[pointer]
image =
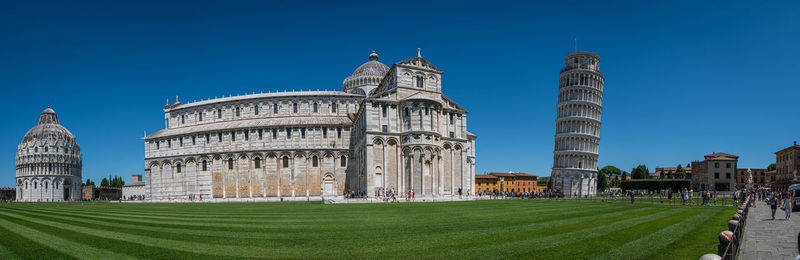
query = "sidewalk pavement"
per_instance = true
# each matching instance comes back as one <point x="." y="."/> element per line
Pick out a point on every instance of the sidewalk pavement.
<point x="765" y="238"/>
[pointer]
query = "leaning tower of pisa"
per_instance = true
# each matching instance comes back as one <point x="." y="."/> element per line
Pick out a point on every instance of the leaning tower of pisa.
<point x="580" y="96"/>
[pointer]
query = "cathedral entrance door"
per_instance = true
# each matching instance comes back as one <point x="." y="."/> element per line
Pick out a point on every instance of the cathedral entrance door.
<point x="329" y="185"/>
<point x="67" y="189"/>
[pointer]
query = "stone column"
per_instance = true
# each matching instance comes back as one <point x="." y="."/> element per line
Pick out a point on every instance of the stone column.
<point x="236" y="174"/>
<point x="411" y="172"/>
<point x="308" y="180"/>
<point x="293" y="179"/>
<point x="401" y="161"/>
<point x="385" y="170"/>
<point x="398" y="165"/>
<point x="278" y="173"/>
<point x="370" y="167"/>
<point x="452" y="173"/>
<point x="250" y="176"/>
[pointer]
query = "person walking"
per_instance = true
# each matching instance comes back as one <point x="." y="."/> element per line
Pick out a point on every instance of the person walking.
<point x="669" y="196"/>
<point x="773" y="204"/>
<point x="787" y="205"/>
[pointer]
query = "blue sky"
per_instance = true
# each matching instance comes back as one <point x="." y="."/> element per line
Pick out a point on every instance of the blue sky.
<point x="683" y="79"/>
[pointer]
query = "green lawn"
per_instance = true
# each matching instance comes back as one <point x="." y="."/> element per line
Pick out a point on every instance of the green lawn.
<point x="475" y="229"/>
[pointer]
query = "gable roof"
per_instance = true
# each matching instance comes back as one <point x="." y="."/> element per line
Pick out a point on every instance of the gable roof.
<point x="420" y="62"/>
<point x="722" y="157"/>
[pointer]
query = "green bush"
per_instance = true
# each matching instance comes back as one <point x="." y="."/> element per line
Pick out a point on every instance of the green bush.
<point x="655" y="185"/>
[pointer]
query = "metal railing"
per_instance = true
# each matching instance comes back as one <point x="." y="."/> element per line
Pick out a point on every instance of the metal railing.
<point x="732" y="249"/>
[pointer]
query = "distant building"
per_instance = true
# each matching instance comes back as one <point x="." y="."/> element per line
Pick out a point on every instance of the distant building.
<point x="717" y="172"/>
<point x="91" y="192"/>
<point x="506" y="182"/>
<point x="8" y="194"/>
<point x="788" y="163"/>
<point x="760" y="179"/>
<point x="771" y="178"/>
<point x="135" y="189"/>
<point x="486" y="182"/>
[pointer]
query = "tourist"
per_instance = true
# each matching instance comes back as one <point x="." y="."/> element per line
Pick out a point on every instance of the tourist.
<point x="632" y="197"/>
<point x="787" y="205"/>
<point x="669" y="196"/>
<point x="773" y="204"/>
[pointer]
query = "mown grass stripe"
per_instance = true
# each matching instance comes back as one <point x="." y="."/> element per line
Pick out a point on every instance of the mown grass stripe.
<point x="686" y="244"/>
<point x="105" y="243"/>
<point x="63" y="246"/>
<point x="460" y="243"/>
<point x="157" y="232"/>
<point x="659" y="240"/>
<point x="585" y="248"/>
<point x="199" y="248"/>
<point x="289" y="216"/>
<point x="475" y="229"/>
<point x="595" y="227"/>
<point x="331" y="225"/>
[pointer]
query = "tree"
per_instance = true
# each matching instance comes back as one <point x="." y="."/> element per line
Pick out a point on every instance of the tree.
<point x="624" y="176"/>
<point x="104" y="182"/>
<point x="89" y="182"/>
<point x="680" y="173"/>
<point x="772" y="167"/>
<point x="602" y="183"/>
<point x="670" y="175"/>
<point x="611" y="171"/>
<point x="688" y="165"/>
<point x="640" y="172"/>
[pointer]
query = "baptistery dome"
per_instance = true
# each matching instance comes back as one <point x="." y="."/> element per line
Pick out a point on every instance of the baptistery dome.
<point x="366" y="77"/>
<point x="48" y="162"/>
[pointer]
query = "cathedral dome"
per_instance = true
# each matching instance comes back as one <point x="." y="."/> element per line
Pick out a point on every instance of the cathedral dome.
<point x="366" y="77"/>
<point x="48" y="129"/>
<point x="372" y="68"/>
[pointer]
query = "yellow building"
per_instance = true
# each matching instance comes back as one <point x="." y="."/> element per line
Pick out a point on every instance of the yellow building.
<point x="506" y="182"/>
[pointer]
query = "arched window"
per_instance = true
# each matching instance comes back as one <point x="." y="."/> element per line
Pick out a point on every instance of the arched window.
<point x="230" y="163"/>
<point x="219" y="113"/>
<point x="315" y="107"/>
<point x="333" y="107"/>
<point x="255" y="109"/>
<point x="420" y="81"/>
<point x="205" y="165"/>
<point x="238" y="113"/>
<point x="257" y="163"/>
<point x="344" y="161"/>
<point x="183" y="119"/>
<point x="178" y="168"/>
<point x="285" y="162"/>
<point x="314" y="161"/>
<point x="35" y="185"/>
<point x="294" y="107"/>
<point x="274" y="108"/>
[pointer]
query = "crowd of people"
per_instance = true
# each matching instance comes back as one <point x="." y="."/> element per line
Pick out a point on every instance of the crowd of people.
<point x="774" y="199"/>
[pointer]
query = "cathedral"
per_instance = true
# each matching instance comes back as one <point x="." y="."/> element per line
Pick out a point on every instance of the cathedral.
<point x="390" y="128"/>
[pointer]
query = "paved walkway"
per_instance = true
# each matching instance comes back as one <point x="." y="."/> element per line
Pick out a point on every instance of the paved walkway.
<point x="768" y="239"/>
